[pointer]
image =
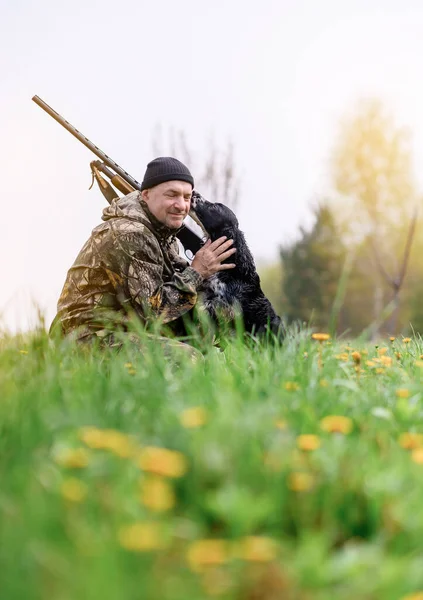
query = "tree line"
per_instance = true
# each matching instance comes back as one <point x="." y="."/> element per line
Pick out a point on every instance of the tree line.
<point x="358" y="266"/>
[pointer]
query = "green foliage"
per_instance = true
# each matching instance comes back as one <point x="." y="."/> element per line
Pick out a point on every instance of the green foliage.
<point x="412" y="305"/>
<point x="237" y="508"/>
<point x="271" y="279"/>
<point x="312" y="267"/>
<point x="367" y="230"/>
<point x="415" y="305"/>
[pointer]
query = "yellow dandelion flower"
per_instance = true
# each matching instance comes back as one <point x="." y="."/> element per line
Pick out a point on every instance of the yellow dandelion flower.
<point x="418" y="363"/>
<point x="417" y="596"/>
<point x="402" y="393"/>
<point x="398" y="355"/>
<point x="392" y="339"/>
<point x="379" y="370"/>
<point x="92" y="437"/>
<point x="193" y="417"/>
<point x="406" y="340"/>
<point x="72" y="458"/>
<point x="386" y="361"/>
<point x="128" y="365"/>
<point x="23" y="351"/>
<point x="411" y="440"/>
<point x="321" y="337"/>
<point x="347" y="348"/>
<point x="281" y="424"/>
<point x="206" y="553"/>
<point x="356" y="356"/>
<point x="421" y="356"/>
<point x="291" y="386"/>
<point x="141" y="537"/>
<point x="305" y="355"/>
<point x="382" y="351"/>
<point x="108" y="439"/>
<point x="300" y="482"/>
<point x="256" y="549"/>
<point x="73" y="490"/>
<point x="417" y="456"/>
<point x="336" y="424"/>
<point x="157" y="494"/>
<point x="370" y="363"/>
<point x="343" y="356"/>
<point x="161" y="461"/>
<point x="308" y="442"/>
<point x="120" y="444"/>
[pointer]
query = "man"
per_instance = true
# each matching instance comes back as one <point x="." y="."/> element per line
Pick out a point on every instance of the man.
<point x="130" y="263"/>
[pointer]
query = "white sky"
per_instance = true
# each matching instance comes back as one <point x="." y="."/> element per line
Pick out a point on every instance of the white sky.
<point x="272" y="76"/>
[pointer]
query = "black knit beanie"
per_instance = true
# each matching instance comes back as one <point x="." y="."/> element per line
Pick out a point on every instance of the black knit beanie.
<point x="165" y="168"/>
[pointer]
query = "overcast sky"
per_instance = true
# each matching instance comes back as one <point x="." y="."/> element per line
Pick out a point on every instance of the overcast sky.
<point x="272" y="76"/>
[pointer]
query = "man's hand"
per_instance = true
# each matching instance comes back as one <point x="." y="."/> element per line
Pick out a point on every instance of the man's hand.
<point x="208" y="260"/>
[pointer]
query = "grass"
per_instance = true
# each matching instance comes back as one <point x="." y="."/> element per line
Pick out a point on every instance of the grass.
<point x="256" y="497"/>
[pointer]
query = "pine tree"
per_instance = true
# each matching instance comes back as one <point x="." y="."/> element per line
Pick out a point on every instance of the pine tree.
<point x="312" y="267"/>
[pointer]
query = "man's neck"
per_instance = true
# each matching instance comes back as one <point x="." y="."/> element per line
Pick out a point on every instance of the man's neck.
<point x="163" y="230"/>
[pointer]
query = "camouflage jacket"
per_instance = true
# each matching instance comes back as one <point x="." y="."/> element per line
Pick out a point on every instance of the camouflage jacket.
<point x="130" y="263"/>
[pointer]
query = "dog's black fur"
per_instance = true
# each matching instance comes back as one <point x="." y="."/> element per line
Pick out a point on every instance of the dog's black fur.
<point x="235" y="290"/>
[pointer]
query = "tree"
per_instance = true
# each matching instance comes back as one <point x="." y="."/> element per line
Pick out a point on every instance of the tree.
<point x="271" y="281"/>
<point x="312" y="268"/>
<point x="372" y="170"/>
<point x="216" y="177"/>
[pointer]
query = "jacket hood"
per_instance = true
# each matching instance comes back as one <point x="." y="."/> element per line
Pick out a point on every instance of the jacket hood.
<point x="134" y="208"/>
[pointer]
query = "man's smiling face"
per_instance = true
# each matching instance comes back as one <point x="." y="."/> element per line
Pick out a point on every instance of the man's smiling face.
<point x="169" y="202"/>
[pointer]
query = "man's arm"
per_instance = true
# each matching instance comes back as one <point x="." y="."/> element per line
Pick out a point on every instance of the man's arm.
<point x="139" y="260"/>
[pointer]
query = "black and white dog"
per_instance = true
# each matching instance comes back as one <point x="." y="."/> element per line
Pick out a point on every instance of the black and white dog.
<point x="234" y="291"/>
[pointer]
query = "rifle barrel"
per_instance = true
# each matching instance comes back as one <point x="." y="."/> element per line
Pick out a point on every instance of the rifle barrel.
<point x="87" y="143"/>
<point x="188" y="237"/>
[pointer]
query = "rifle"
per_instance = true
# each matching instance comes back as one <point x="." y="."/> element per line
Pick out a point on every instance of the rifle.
<point x="120" y="178"/>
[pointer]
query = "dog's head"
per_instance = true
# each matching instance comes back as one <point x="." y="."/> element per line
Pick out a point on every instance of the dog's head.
<point x="217" y="219"/>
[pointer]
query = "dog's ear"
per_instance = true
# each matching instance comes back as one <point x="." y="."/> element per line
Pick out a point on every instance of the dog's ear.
<point x="226" y="216"/>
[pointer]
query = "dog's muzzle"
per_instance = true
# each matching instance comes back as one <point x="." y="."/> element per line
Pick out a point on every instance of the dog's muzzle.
<point x="196" y="199"/>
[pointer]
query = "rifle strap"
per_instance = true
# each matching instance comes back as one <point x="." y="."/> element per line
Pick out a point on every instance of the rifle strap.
<point x="105" y="187"/>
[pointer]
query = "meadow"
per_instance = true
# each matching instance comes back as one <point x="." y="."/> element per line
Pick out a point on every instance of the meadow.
<point x="265" y="473"/>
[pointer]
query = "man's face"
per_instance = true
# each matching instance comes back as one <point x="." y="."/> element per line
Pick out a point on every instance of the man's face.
<point x="169" y="202"/>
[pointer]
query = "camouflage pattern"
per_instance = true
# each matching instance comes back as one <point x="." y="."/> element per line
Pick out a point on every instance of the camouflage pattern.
<point x="130" y="264"/>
